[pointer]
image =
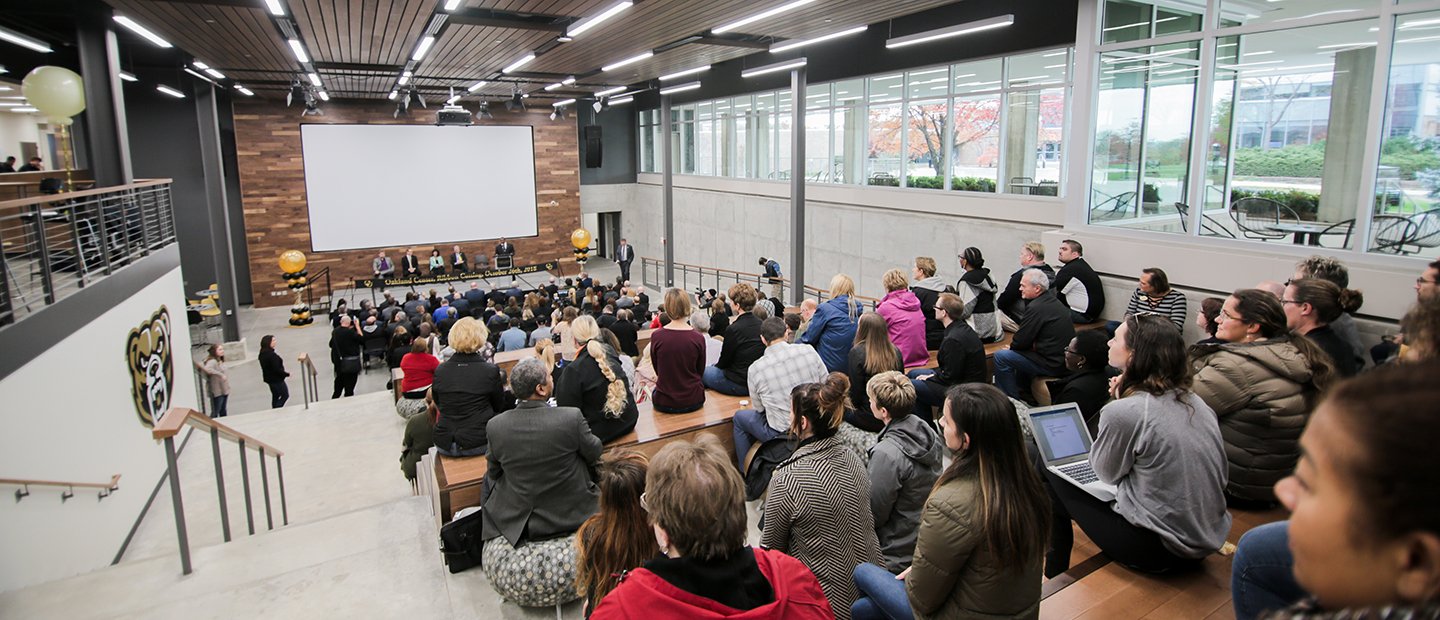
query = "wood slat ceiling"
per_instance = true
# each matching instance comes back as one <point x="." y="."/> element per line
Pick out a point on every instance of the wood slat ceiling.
<point x="243" y="41"/>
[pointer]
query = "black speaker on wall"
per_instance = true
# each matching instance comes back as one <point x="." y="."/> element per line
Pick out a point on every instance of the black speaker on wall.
<point x="593" y="148"/>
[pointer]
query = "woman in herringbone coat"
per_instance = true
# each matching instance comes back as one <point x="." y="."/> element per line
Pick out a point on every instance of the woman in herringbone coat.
<point x="818" y="505"/>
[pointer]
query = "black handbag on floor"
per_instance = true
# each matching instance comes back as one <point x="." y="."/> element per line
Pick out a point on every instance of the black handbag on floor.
<point x="460" y="542"/>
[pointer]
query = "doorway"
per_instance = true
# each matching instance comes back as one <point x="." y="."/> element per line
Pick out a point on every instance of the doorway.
<point x="609" y="236"/>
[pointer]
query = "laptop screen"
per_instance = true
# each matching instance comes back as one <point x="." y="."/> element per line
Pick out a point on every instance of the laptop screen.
<point x="1060" y="432"/>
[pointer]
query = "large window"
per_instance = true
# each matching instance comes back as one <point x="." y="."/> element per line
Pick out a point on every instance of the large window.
<point x="1406" y="216"/>
<point x="993" y="126"/>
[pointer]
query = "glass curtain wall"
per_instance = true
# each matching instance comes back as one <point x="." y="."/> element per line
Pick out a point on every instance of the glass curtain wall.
<point x="1279" y="150"/>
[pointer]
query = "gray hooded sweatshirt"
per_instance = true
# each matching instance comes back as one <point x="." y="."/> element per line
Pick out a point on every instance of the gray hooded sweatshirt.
<point x="904" y="465"/>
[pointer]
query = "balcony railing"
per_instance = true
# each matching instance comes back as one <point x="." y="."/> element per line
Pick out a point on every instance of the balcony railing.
<point x="55" y="245"/>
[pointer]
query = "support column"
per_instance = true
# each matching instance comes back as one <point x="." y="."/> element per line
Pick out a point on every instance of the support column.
<point x="1345" y="154"/>
<point x="797" y="186"/>
<point x="106" y="137"/>
<point x="1021" y="135"/>
<point x="207" y="103"/>
<point x="667" y="190"/>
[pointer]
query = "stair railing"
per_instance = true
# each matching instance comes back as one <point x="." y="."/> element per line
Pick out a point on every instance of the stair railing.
<point x="180" y="417"/>
<point x="309" y="380"/>
<point x="106" y="488"/>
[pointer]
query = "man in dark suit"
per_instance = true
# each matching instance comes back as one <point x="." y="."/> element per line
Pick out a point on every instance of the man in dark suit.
<point x="537" y="482"/>
<point x="34" y="165"/>
<point x="1038" y="348"/>
<point x="9" y="165"/>
<point x="504" y="254"/>
<point x="475" y="296"/>
<point x="457" y="261"/>
<point x="624" y="255"/>
<point x="409" y="264"/>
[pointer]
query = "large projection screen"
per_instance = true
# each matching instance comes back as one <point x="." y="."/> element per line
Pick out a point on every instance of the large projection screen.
<point x="376" y="186"/>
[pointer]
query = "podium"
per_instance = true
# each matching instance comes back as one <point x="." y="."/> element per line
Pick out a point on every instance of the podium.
<point x="504" y="261"/>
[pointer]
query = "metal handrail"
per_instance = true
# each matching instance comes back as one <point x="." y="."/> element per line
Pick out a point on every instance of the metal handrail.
<point x="684" y="271"/>
<point x="169" y="425"/>
<point x="106" y="488"/>
<point x="67" y="241"/>
<point x="309" y="380"/>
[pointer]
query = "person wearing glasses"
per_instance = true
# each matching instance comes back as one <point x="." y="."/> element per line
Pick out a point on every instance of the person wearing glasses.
<point x="1311" y="307"/>
<point x="1088" y="384"/>
<point x="1262" y="382"/>
<point x="539" y="492"/>
<point x="1427" y="286"/>
<point x="961" y="358"/>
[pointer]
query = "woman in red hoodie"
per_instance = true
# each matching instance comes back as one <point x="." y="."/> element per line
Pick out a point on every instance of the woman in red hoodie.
<point x="695" y="500"/>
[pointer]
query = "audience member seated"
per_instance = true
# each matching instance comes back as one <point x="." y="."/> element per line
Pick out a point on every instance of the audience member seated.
<point x="400" y="342"/>
<point x="807" y="312"/>
<point x="469" y="392"/>
<point x="1311" y="306"/>
<point x="696" y="503"/>
<point x="977" y="290"/>
<point x="627" y="332"/>
<point x="832" y="330"/>
<point x="595" y="383"/>
<point x="1334" y="271"/>
<point x="720" y="317"/>
<point x="617" y="538"/>
<point x="419" y="367"/>
<point x="1154" y="295"/>
<point x="1011" y="303"/>
<point x="1208" y="319"/>
<point x="817" y="507"/>
<point x="700" y="320"/>
<point x="513" y="338"/>
<point x="904" y="319"/>
<point x="1421" y="329"/>
<point x="793" y="321"/>
<point x="872" y="355"/>
<point x="372" y="332"/>
<point x="1038" y="348"/>
<point x="1160" y="445"/>
<point x="961" y="358"/>
<point x="538" y="492"/>
<point x="1077" y="285"/>
<point x="382" y="267"/>
<point x="1363" y="540"/>
<point x="419" y="436"/>
<point x="772" y="379"/>
<point x="741" y="348"/>
<point x="1088" y="384"/>
<point x="1262" y="383"/>
<point x="903" y="465"/>
<point x="982" y="530"/>
<point x="677" y="354"/>
<point x="927" y="289"/>
<point x="436" y="263"/>
<point x="627" y="363"/>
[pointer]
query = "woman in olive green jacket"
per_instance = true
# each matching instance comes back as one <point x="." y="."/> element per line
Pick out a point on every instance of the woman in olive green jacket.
<point x="982" y="532"/>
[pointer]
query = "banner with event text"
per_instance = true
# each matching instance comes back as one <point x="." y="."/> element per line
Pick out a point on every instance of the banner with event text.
<point x="519" y="270"/>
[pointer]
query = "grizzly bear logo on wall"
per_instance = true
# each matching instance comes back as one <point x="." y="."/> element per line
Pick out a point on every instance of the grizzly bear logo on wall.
<point x="152" y="367"/>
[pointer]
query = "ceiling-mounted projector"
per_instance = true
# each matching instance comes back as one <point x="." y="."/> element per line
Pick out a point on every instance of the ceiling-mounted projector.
<point x="453" y="115"/>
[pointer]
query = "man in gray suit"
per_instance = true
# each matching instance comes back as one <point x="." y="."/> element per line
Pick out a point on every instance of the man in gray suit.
<point x="538" y="485"/>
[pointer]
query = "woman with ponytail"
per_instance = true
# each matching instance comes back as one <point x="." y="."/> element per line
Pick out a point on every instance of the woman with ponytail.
<point x="982" y="530"/>
<point x="596" y="384"/>
<point x="1311" y="306"/>
<point x="818" y="505"/>
<point x="1263" y="382"/>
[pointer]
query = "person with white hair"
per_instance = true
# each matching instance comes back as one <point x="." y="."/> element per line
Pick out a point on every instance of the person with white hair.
<point x="1038" y="349"/>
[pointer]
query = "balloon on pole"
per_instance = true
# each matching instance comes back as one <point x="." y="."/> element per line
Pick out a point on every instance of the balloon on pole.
<point x="56" y="92"/>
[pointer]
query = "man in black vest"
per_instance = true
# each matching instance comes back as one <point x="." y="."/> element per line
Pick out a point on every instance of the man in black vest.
<point x="1077" y="285"/>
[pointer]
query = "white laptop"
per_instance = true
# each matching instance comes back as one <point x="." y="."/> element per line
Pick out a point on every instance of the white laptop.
<point x="1064" y="443"/>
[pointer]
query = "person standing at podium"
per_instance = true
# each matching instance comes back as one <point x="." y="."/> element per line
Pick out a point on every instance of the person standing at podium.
<point x="504" y="254"/>
<point x="457" y="261"/>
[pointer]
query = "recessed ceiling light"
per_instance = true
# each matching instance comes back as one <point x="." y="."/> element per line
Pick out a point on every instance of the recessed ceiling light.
<point x="299" y="51"/>
<point x="424" y="47"/>
<point x="275" y="7"/>
<point x="762" y="15"/>
<point x="628" y="61"/>
<point x="142" y="31"/>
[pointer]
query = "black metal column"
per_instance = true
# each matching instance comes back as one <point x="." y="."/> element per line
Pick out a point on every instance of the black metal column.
<point x="797" y="186"/>
<point x="207" y="103"/>
<point x="106" y="138"/>
<point x="667" y="191"/>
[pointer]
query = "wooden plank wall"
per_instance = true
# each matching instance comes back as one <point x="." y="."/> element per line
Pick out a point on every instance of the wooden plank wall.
<point x="272" y="187"/>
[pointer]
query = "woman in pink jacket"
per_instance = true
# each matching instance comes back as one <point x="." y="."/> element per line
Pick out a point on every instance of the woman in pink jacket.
<point x="905" y="319"/>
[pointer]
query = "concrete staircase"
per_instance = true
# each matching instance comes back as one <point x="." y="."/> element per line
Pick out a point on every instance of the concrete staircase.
<point x="358" y="545"/>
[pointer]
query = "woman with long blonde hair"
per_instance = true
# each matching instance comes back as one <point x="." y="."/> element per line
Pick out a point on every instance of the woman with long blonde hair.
<point x="832" y="329"/>
<point x="596" y="384"/>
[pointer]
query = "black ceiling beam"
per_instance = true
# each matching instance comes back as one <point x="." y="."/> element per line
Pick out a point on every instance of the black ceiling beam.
<point x="248" y="4"/>
<point x="506" y="19"/>
<point x="714" y="40"/>
<point x="356" y="66"/>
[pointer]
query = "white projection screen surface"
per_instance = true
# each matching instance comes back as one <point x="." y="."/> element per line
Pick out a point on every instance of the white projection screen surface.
<point x="376" y="186"/>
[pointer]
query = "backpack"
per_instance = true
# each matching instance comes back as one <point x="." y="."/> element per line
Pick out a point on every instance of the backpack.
<point x="762" y="466"/>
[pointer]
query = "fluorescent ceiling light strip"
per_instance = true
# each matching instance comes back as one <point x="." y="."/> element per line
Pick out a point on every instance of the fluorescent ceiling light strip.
<point x="775" y="49"/>
<point x="1419" y="39"/>
<point x="519" y="63"/>
<point x="1252" y="64"/>
<point x="1423" y="22"/>
<point x="451" y="5"/>
<point x="128" y="77"/>
<point x="324" y="96"/>
<point x="611" y="91"/>
<point x="553" y="86"/>
<point x="424" y="47"/>
<point x="275" y="7"/>
<point x="628" y="61"/>
<point x="215" y="74"/>
<point x="563" y="102"/>
<point x="762" y="15"/>
<point x="404" y="79"/>
<point x="314" y="78"/>
<point x="1134" y="25"/>
<point x="392" y="95"/>
<point x="1059" y="66"/>
<point x="244" y="90"/>
<point x="591" y="22"/>
<point x="197" y="74"/>
<point x="621" y="100"/>
<point x="200" y="65"/>
<point x="779" y="66"/>
<point x="7" y="34"/>
<point x="680" y="88"/>
<point x="142" y="31"/>
<point x="170" y="91"/>
<point x="477" y="86"/>
<point x="26" y="109"/>
<point x="568" y="81"/>
<point x="680" y="74"/>
<point x="952" y="31"/>
<point x="299" y="51"/>
<point x="10" y="104"/>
